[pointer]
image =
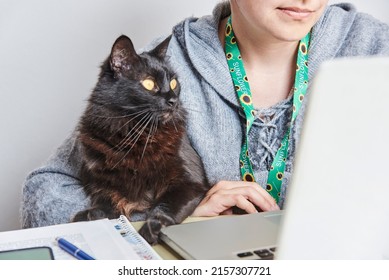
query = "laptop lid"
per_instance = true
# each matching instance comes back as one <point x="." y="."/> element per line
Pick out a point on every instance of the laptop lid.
<point x="337" y="205"/>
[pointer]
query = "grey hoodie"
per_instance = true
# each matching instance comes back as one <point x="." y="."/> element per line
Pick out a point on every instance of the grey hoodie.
<point x="52" y="194"/>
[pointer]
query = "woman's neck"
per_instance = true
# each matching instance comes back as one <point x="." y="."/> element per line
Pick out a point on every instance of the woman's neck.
<point x="260" y="48"/>
<point x="270" y="64"/>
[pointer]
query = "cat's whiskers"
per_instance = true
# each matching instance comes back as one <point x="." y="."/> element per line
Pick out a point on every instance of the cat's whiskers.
<point x="122" y="144"/>
<point x="136" y="107"/>
<point x="138" y="131"/>
<point x="116" y="117"/>
<point x="192" y="110"/>
<point x="134" y="115"/>
<point x="196" y="111"/>
<point x="135" y="140"/>
<point x="143" y="112"/>
<point x="150" y="135"/>
<point x="174" y="123"/>
<point x="137" y="115"/>
<point x="145" y="106"/>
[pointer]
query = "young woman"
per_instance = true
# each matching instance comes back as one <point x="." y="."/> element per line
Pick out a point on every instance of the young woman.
<point x="251" y="114"/>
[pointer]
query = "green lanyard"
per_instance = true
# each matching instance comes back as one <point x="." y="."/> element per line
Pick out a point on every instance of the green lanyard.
<point x="242" y="88"/>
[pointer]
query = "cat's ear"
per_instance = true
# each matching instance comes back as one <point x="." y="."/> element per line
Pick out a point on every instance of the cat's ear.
<point x="160" y="50"/>
<point x="123" y="55"/>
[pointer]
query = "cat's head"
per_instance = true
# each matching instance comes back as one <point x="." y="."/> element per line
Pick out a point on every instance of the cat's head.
<point x="131" y="82"/>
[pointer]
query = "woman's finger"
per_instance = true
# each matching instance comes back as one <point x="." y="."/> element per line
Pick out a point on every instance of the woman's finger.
<point x="262" y="199"/>
<point x="239" y="195"/>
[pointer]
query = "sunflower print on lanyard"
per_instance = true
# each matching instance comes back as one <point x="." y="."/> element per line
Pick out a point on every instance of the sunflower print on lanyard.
<point x="242" y="89"/>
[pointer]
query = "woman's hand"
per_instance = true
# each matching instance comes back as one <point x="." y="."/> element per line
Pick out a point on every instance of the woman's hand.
<point x="220" y="199"/>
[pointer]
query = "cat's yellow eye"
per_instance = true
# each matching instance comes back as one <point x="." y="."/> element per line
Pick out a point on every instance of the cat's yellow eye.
<point x="173" y="84"/>
<point x="148" y="84"/>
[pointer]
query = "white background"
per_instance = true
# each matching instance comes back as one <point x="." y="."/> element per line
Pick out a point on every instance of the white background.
<point x="50" y="53"/>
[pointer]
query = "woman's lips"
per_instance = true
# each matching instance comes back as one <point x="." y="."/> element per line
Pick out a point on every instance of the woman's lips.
<point x="296" y="13"/>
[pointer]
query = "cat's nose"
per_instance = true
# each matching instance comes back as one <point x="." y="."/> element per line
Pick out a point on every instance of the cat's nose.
<point x="172" y="101"/>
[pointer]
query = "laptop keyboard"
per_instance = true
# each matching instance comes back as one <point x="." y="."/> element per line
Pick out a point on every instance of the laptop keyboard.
<point x="263" y="254"/>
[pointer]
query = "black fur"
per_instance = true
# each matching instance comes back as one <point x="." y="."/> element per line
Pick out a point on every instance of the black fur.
<point x="137" y="156"/>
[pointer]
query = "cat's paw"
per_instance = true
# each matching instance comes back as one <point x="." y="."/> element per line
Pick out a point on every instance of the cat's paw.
<point x="150" y="231"/>
<point x="90" y="215"/>
<point x="152" y="227"/>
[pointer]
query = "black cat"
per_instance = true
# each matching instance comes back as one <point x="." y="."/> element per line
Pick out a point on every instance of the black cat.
<point x="136" y="153"/>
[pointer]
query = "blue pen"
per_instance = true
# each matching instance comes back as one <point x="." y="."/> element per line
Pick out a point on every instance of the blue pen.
<point x="72" y="249"/>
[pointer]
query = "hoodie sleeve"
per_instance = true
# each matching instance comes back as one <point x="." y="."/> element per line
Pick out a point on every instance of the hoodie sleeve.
<point x="52" y="194"/>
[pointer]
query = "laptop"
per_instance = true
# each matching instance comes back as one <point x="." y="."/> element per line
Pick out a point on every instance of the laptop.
<point x="337" y="205"/>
